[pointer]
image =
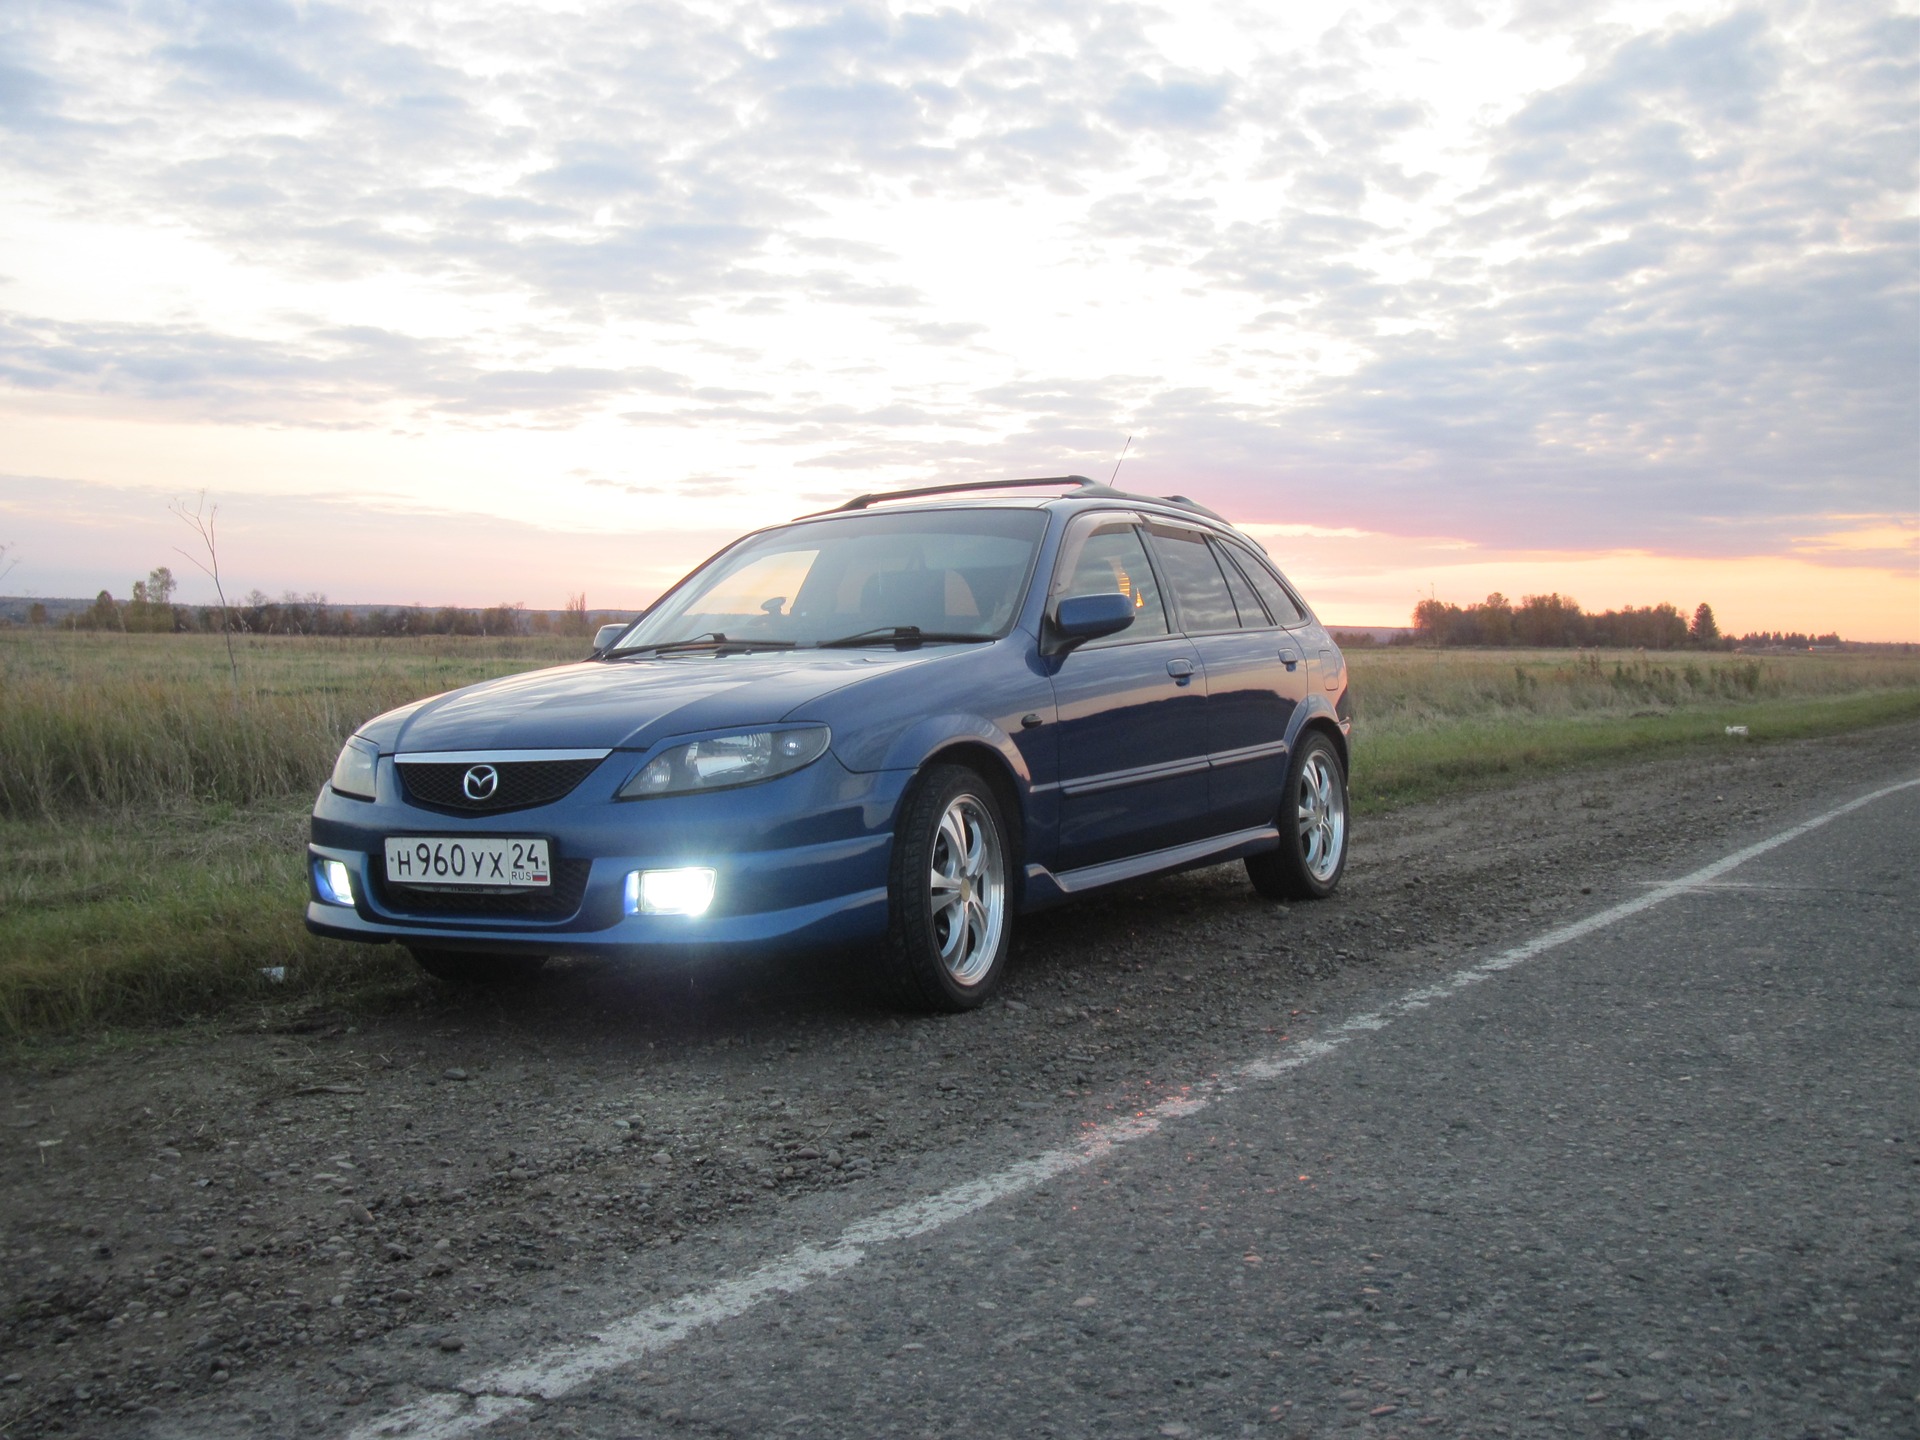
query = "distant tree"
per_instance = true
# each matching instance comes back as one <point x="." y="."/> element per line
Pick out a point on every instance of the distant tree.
<point x="151" y="606"/>
<point x="36" y="614"/>
<point x="1705" y="630"/>
<point x="504" y="619"/>
<point x="1495" y="618"/>
<point x="103" y="614"/>
<point x="1549" y="620"/>
<point x="574" y="619"/>
<point x="1433" y="621"/>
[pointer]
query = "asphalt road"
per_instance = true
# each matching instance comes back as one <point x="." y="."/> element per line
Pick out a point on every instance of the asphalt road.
<point x="1658" y="1179"/>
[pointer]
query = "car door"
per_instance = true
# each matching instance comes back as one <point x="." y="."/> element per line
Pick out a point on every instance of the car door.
<point x="1132" y="728"/>
<point x="1255" y="675"/>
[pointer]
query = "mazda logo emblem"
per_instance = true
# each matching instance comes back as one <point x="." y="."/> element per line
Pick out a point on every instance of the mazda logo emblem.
<point x="480" y="782"/>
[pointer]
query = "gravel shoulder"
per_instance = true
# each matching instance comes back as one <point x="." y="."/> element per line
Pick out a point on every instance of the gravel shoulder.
<point x="337" y="1207"/>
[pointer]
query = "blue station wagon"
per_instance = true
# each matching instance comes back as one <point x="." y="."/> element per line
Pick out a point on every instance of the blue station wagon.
<point x="895" y="726"/>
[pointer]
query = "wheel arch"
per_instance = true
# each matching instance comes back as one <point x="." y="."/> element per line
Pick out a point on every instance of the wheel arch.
<point x="1325" y="725"/>
<point x="992" y="766"/>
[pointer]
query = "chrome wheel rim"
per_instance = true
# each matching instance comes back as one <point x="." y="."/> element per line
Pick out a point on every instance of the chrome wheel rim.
<point x="968" y="890"/>
<point x="1323" y="816"/>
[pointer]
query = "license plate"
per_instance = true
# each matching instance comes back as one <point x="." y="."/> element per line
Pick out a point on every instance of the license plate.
<point x="489" y="864"/>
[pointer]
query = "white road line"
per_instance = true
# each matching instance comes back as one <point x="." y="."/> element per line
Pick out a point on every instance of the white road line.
<point x="520" y="1385"/>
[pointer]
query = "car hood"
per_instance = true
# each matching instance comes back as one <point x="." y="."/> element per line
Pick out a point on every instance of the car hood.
<point x="628" y="704"/>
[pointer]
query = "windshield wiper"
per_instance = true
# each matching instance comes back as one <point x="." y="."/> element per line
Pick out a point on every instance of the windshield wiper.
<point x="900" y="634"/>
<point x="712" y="640"/>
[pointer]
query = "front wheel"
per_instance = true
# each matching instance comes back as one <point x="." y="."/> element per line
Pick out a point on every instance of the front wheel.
<point x="466" y="969"/>
<point x="949" y="894"/>
<point x="1313" y="827"/>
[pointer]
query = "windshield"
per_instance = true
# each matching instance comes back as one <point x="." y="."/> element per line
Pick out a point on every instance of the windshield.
<point x="878" y="579"/>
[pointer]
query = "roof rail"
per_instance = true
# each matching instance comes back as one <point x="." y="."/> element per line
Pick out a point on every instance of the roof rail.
<point x="860" y="502"/>
<point x="1090" y="489"/>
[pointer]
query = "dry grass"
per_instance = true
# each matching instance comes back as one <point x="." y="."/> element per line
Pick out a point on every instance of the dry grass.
<point x="91" y="721"/>
<point x="1431" y="721"/>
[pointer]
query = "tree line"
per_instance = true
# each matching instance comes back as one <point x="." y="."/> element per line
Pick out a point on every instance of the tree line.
<point x="150" y="609"/>
<point x="1556" y="621"/>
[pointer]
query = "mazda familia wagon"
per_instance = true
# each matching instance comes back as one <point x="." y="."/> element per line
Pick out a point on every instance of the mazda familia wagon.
<point x="892" y="727"/>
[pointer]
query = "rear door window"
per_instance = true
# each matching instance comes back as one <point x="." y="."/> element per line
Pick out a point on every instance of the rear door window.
<point x="1253" y="615"/>
<point x="1280" y="603"/>
<point x="1200" y="591"/>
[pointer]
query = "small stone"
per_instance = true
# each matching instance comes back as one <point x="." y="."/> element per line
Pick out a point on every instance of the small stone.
<point x="1084" y="1302"/>
<point x="806" y="1152"/>
<point x="454" y="1073"/>
<point x="393" y="1250"/>
<point x="450" y="1343"/>
<point x="661" y="1157"/>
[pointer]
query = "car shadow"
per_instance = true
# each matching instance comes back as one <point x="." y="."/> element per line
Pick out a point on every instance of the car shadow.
<point x="697" y="1000"/>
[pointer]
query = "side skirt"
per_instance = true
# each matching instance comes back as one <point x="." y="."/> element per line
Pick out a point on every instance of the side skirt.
<point x="1044" y="888"/>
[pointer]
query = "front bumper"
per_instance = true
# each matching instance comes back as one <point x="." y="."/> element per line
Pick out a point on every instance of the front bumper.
<point x="800" y="861"/>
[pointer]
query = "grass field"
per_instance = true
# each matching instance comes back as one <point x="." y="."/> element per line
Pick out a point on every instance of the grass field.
<point x="152" y="813"/>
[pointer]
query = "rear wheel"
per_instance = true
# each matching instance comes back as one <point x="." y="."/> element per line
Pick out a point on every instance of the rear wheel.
<point x="473" y="968"/>
<point x="1313" y="827"/>
<point x="949" y="893"/>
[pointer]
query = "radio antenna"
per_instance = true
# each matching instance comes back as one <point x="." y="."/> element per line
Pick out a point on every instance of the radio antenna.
<point x="1116" y="464"/>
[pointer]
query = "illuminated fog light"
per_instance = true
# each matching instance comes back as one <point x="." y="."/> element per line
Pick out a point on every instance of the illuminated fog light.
<point x="336" y="882"/>
<point x="670" y="892"/>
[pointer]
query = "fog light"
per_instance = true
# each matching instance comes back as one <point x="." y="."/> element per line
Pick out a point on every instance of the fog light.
<point x="670" y="892"/>
<point x="335" y="882"/>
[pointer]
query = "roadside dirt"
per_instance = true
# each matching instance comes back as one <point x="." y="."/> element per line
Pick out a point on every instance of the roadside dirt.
<point x="245" y="1209"/>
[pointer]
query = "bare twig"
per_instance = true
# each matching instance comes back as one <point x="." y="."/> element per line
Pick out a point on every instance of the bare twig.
<point x="200" y="517"/>
<point x="6" y="565"/>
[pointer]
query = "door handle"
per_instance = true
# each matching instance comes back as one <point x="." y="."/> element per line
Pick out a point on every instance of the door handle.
<point x="1181" y="671"/>
<point x="1289" y="659"/>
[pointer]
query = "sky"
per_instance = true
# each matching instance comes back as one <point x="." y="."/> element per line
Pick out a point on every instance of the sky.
<point x="474" y="303"/>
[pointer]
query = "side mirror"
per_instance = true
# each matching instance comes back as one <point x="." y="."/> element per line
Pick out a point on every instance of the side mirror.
<point x="607" y="634"/>
<point x="1088" y="617"/>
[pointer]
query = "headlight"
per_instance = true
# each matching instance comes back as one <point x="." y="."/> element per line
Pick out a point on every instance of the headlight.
<point x="353" y="771"/>
<point x="728" y="760"/>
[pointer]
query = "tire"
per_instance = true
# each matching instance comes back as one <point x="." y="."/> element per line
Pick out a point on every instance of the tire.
<point x="949" y="894"/>
<point x="1313" y="827"/>
<point x="470" y="969"/>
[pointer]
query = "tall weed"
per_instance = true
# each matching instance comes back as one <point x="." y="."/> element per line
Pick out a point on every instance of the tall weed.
<point x="91" y="721"/>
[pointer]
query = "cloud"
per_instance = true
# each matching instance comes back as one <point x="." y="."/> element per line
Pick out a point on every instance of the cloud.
<point x="324" y="376"/>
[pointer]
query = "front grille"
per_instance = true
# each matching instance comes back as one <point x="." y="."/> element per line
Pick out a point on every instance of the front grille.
<point x="556" y="902"/>
<point x="523" y="784"/>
